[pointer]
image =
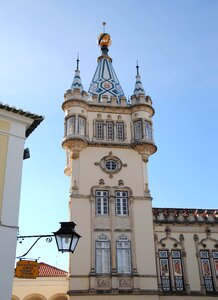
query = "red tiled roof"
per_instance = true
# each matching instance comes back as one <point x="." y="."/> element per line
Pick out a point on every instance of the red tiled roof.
<point x="46" y="270"/>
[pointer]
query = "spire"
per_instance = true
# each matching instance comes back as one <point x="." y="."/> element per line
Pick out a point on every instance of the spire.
<point x="77" y="83"/>
<point x="105" y="81"/>
<point x="139" y="90"/>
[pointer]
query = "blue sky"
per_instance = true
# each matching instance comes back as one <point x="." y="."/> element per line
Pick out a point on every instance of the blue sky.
<point x="176" y="45"/>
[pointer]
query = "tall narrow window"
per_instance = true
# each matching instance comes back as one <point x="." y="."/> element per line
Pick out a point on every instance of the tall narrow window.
<point x="123" y="256"/>
<point x="164" y="270"/>
<point x="148" y="131"/>
<point x="176" y="272"/>
<point x="110" y="131"/>
<point x="206" y="270"/>
<point x="121" y="203"/>
<point x="138" y="130"/>
<point x="215" y="261"/>
<point x="81" y="126"/>
<point x="70" y="123"/>
<point x="99" y="129"/>
<point x="120" y="131"/>
<point x="102" y="260"/>
<point x="101" y="203"/>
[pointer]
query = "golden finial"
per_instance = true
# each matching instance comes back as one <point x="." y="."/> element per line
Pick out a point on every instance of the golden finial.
<point x="104" y="39"/>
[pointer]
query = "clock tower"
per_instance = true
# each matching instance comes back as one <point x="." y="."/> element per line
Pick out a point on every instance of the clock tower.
<point x="108" y="141"/>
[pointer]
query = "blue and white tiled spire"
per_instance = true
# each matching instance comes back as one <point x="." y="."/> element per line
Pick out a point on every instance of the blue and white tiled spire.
<point x="105" y="81"/>
<point x="77" y="83"/>
<point x="139" y="89"/>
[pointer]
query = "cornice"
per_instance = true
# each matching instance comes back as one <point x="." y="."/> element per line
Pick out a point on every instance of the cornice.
<point x="108" y="107"/>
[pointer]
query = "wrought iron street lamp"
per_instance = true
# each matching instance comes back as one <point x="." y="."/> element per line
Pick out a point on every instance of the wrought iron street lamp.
<point x="66" y="238"/>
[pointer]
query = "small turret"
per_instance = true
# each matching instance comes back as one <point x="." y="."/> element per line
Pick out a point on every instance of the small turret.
<point x="139" y="89"/>
<point x="77" y="82"/>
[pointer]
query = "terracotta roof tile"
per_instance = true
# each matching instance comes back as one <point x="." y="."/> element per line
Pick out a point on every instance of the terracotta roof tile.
<point x="46" y="270"/>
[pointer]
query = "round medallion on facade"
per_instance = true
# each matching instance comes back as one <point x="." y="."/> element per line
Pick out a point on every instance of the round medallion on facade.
<point x="110" y="164"/>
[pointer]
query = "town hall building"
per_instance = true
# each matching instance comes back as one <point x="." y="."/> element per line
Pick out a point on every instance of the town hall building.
<point x="128" y="249"/>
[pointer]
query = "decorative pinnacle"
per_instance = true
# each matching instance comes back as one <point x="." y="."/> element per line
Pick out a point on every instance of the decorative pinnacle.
<point x="77" y="62"/>
<point x="137" y="67"/>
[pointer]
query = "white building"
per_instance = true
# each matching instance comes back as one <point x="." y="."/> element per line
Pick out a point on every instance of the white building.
<point x="15" y="126"/>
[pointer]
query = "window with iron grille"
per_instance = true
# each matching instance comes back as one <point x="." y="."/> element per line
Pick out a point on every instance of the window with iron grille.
<point x="120" y="131"/>
<point x="121" y="199"/>
<point x="171" y="272"/>
<point x="99" y="130"/>
<point x="110" y="131"/>
<point x="101" y="203"/>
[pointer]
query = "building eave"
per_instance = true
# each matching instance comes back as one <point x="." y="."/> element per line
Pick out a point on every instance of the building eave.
<point x="37" y="119"/>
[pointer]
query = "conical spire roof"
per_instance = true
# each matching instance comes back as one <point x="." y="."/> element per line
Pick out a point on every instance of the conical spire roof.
<point x="105" y="81"/>
<point x="77" y="82"/>
<point x="139" y="89"/>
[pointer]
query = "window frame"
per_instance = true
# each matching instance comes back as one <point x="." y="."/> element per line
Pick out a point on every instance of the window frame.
<point x="171" y="270"/>
<point x="207" y="278"/>
<point x="99" y="122"/>
<point x="69" y="128"/>
<point x="123" y="210"/>
<point x="148" y="131"/>
<point x="138" y="131"/>
<point x="102" y="256"/>
<point x="110" y="125"/>
<point x="81" y="130"/>
<point x="124" y="257"/>
<point x="118" y="131"/>
<point x="102" y="200"/>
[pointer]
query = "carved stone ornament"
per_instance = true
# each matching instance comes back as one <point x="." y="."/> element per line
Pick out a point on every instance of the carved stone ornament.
<point x="145" y="150"/>
<point x="125" y="282"/>
<point x="75" y="145"/>
<point x="103" y="283"/>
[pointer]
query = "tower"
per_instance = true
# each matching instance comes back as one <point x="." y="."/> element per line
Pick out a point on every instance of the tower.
<point x="108" y="141"/>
